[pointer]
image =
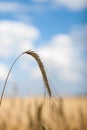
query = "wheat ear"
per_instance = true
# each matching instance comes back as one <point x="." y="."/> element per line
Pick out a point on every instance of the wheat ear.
<point x="42" y="69"/>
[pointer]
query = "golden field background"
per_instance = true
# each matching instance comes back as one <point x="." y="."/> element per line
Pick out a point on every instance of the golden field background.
<point x="68" y="113"/>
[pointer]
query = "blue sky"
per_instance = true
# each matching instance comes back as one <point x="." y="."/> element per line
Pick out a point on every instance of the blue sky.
<point x="57" y="30"/>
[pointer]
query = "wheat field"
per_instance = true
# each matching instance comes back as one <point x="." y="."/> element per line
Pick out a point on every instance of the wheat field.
<point x="68" y="113"/>
<point x="42" y="113"/>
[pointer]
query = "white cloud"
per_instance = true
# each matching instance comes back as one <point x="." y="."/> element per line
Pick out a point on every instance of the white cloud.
<point x="17" y="7"/>
<point x="39" y="6"/>
<point x="14" y="7"/>
<point x="67" y="53"/>
<point x="16" y="37"/>
<point x="73" y="5"/>
<point x="60" y="49"/>
<point x="60" y="52"/>
<point x="9" y="6"/>
<point x="3" y="71"/>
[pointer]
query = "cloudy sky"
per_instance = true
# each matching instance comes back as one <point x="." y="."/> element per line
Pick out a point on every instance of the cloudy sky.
<point x="57" y="30"/>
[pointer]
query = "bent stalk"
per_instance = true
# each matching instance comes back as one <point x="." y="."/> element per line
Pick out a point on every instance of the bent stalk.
<point x="42" y="69"/>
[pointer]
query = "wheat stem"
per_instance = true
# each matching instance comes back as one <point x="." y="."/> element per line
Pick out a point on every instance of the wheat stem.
<point x="7" y="78"/>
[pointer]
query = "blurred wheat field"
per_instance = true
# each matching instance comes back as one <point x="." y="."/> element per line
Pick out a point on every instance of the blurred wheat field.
<point x="29" y="113"/>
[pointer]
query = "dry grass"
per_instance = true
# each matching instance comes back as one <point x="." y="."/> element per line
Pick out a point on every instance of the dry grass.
<point x="33" y="114"/>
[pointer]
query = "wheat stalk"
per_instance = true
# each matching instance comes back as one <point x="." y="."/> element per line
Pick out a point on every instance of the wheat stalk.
<point x="42" y="69"/>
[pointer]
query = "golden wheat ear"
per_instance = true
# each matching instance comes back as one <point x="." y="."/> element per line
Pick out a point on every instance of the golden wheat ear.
<point x="42" y="69"/>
